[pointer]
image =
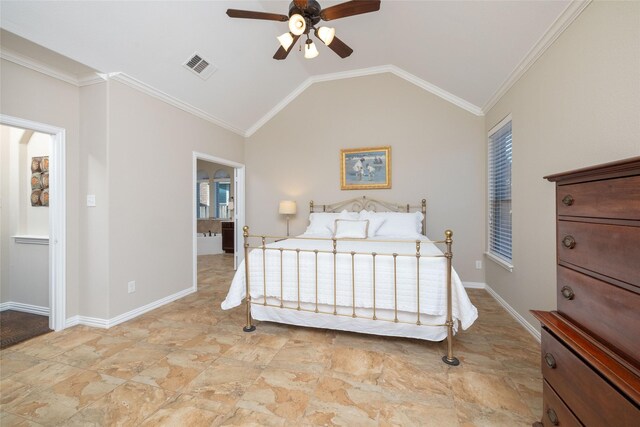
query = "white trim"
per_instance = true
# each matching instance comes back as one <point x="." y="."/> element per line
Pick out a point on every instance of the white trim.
<point x="239" y="211"/>
<point x="57" y="216"/>
<point x="501" y="262"/>
<point x="566" y="18"/>
<point x="25" y="308"/>
<point x="165" y="97"/>
<point x="108" y="323"/>
<point x="474" y="285"/>
<point x="528" y="326"/>
<point x="423" y="84"/>
<point x="31" y="240"/>
<point x="38" y="66"/>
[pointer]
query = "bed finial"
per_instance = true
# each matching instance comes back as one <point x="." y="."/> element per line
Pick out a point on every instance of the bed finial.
<point x="311" y="206"/>
<point x="245" y="231"/>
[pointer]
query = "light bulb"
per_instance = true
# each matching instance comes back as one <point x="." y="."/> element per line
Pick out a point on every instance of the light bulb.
<point x="297" y="24"/>
<point x="286" y="40"/>
<point x="326" y="34"/>
<point x="310" y="50"/>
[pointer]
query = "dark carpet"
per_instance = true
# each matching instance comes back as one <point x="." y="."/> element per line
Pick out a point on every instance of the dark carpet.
<point x="16" y="326"/>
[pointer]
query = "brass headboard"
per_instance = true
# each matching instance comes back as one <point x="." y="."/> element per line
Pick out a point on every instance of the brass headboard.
<point x="363" y="203"/>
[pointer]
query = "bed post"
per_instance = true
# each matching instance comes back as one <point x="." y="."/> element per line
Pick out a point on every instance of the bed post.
<point x="424" y="216"/>
<point x="249" y="326"/>
<point x="449" y="359"/>
<point x="311" y="206"/>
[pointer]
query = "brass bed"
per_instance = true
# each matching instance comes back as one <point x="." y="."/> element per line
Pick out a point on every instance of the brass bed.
<point x="333" y="249"/>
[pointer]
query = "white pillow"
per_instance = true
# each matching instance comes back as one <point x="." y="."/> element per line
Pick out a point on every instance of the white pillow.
<point x="323" y="223"/>
<point x="351" y="228"/>
<point x="396" y="224"/>
<point x="375" y="222"/>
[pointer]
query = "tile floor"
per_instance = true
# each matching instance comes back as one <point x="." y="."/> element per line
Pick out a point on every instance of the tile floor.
<point x="189" y="364"/>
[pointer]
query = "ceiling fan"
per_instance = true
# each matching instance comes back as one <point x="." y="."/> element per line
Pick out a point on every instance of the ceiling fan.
<point x="303" y="17"/>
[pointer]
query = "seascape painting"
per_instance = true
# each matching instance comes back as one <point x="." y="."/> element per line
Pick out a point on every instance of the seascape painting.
<point x="365" y="168"/>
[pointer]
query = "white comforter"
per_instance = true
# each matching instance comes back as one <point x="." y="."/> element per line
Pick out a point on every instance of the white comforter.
<point x="433" y="291"/>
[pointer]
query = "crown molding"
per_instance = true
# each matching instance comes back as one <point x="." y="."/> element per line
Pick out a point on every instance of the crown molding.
<point x="162" y="96"/>
<point x="38" y="66"/>
<point x="423" y="84"/>
<point x="566" y="18"/>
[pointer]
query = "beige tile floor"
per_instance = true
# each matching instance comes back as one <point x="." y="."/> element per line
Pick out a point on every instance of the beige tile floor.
<point x="189" y="364"/>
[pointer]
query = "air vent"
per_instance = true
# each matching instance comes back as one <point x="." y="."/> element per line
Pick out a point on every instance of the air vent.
<point x="200" y="66"/>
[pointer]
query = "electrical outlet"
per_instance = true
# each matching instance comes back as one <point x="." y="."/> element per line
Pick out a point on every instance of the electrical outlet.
<point x="479" y="265"/>
<point x="131" y="286"/>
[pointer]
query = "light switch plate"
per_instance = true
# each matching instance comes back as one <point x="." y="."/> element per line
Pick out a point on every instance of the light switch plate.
<point x="91" y="200"/>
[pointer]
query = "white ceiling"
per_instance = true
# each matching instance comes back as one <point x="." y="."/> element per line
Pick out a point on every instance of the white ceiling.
<point x="467" y="48"/>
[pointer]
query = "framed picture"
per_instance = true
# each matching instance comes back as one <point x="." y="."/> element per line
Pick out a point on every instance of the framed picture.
<point x="365" y="168"/>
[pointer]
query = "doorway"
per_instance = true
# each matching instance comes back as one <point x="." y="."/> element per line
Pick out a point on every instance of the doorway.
<point x="218" y="211"/>
<point x="20" y="236"/>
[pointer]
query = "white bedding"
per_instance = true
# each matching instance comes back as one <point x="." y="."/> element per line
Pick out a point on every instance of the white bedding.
<point x="433" y="292"/>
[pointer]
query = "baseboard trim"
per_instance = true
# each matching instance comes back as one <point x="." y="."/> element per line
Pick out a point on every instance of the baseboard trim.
<point x="528" y="326"/>
<point x="96" y="322"/>
<point x="474" y="285"/>
<point x="25" y="308"/>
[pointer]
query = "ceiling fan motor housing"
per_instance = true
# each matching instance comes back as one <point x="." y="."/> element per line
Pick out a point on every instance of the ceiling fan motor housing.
<point x="311" y="13"/>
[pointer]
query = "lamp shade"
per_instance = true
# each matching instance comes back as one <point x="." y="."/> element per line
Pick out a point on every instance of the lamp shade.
<point x="326" y="34"/>
<point x="287" y="207"/>
<point x="310" y="50"/>
<point x="285" y="40"/>
<point x="297" y="24"/>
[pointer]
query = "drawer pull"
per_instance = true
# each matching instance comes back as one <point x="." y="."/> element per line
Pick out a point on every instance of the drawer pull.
<point x="569" y="242"/>
<point x="551" y="414"/>
<point x="567" y="292"/>
<point x="567" y="200"/>
<point x="551" y="361"/>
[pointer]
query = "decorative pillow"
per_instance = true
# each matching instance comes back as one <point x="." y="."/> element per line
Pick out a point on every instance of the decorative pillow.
<point x="351" y="228"/>
<point x="323" y="223"/>
<point x="396" y="224"/>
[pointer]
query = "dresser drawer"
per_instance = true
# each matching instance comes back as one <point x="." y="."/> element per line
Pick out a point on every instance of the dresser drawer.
<point x="554" y="411"/>
<point x="612" y="198"/>
<point x="610" y="250"/>
<point x="592" y="399"/>
<point x="610" y="313"/>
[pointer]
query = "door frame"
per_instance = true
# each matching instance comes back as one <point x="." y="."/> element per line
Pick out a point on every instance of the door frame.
<point x="238" y="212"/>
<point x="57" y="217"/>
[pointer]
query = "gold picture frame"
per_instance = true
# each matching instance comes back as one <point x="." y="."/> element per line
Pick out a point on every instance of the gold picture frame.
<point x="366" y="168"/>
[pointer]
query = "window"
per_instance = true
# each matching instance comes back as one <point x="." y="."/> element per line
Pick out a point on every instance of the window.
<point x="202" y="196"/>
<point x="222" y="190"/>
<point x="499" y="184"/>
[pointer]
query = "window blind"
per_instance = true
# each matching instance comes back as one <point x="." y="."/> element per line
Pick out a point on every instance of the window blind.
<point x="500" y="193"/>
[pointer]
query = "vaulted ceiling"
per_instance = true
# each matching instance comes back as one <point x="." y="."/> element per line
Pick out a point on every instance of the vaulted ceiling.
<point x="466" y="48"/>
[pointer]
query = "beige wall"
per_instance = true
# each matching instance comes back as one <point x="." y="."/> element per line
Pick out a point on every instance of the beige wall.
<point x="437" y="154"/>
<point x="34" y="96"/>
<point x="94" y="221"/>
<point x="579" y="105"/>
<point x="151" y="193"/>
<point x="134" y="153"/>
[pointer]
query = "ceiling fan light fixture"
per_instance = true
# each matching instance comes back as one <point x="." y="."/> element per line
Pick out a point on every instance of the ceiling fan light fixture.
<point x="310" y="49"/>
<point x="286" y="40"/>
<point x="326" y="34"/>
<point x="297" y="24"/>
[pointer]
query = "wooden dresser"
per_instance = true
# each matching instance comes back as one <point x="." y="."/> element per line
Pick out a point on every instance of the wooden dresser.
<point x="591" y="344"/>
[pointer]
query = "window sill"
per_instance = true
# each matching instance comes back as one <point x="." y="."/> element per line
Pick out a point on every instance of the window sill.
<point x="502" y="263"/>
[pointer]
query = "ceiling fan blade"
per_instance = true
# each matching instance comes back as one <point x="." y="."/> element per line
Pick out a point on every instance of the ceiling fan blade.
<point x="350" y="8"/>
<point x="300" y="4"/>
<point x="339" y="47"/>
<point x="249" y="14"/>
<point x="281" y="53"/>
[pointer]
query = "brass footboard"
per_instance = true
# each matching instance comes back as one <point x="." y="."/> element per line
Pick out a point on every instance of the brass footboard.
<point x="448" y="241"/>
